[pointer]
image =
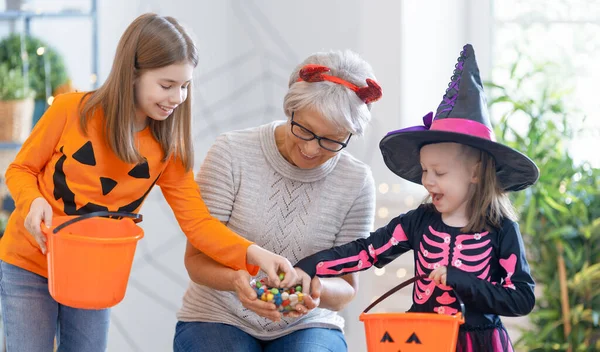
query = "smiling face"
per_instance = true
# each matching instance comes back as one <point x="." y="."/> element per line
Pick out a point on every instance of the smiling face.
<point x="449" y="175"/>
<point x="308" y="154"/>
<point x="159" y="91"/>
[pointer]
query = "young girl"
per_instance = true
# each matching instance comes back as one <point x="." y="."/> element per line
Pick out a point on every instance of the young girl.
<point x="105" y="150"/>
<point x="466" y="237"/>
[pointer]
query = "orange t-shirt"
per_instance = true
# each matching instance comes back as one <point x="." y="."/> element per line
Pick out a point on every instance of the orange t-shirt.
<point x="78" y="174"/>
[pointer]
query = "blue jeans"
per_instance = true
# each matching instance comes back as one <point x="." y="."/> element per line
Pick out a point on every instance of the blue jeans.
<point x="32" y="318"/>
<point x="216" y="337"/>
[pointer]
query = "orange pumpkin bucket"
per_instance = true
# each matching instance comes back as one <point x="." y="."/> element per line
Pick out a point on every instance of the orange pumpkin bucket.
<point x="90" y="258"/>
<point x="411" y="332"/>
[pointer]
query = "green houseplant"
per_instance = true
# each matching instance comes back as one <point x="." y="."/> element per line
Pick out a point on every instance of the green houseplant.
<point x="13" y="85"/>
<point x="560" y="215"/>
<point x="10" y="54"/>
<point x="16" y="105"/>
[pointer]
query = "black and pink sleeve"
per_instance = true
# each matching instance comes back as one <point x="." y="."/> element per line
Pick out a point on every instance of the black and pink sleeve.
<point x="513" y="296"/>
<point x="380" y="248"/>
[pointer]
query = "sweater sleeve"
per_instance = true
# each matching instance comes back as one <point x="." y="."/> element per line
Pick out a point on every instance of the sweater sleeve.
<point x="359" y="220"/>
<point x="380" y="248"/>
<point x="514" y="295"/>
<point x="204" y="231"/>
<point x="216" y="181"/>
<point x="22" y="174"/>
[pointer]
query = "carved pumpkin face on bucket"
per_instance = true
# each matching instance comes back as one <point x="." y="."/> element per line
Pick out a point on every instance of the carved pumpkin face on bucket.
<point x="392" y="341"/>
<point x="411" y="332"/>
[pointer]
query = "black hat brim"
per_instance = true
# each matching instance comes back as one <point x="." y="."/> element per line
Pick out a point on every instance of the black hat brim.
<point x="401" y="153"/>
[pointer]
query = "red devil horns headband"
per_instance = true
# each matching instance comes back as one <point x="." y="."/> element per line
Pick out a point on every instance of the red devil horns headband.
<point x="316" y="73"/>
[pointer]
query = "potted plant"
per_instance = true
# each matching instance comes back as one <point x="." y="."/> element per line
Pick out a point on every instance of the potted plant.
<point x="16" y="105"/>
<point x="560" y="214"/>
<point x="50" y="61"/>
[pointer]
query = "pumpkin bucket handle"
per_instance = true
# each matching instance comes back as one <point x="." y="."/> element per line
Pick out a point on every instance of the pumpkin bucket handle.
<point x="112" y="214"/>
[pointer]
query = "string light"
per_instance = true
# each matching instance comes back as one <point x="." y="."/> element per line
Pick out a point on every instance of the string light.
<point x="384" y="188"/>
<point x="41" y="50"/>
<point x="50" y="100"/>
<point x="383" y="212"/>
<point x="379" y="271"/>
<point x="401" y="273"/>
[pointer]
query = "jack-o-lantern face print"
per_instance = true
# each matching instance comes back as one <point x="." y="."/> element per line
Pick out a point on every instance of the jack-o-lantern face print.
<point x="403" y="341"/>
<point x="98" y="191"/>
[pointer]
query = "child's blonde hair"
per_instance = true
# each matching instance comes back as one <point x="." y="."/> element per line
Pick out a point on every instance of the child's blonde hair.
<point x="150" y="42"/>
<point x="488" y="205"/>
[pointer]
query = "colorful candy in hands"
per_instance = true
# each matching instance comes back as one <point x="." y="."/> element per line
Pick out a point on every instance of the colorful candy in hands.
<point x="285" y="299"/>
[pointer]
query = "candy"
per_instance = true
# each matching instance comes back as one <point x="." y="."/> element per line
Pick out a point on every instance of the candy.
<point x="285" y="299"/>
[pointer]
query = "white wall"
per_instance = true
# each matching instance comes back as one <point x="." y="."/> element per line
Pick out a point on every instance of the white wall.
<point x="247" y="50"/>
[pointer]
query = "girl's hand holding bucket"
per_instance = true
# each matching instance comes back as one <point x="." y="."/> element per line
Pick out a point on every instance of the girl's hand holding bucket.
<point x="90" y="257"/>
<point x="438" y="275"/>
<point x="40" y="211"/>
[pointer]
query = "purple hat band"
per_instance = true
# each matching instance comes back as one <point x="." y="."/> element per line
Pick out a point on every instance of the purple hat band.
<point x="455" y="125"/>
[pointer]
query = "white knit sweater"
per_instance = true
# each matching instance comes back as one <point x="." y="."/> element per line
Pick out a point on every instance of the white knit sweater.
<point x="247" y="183"/>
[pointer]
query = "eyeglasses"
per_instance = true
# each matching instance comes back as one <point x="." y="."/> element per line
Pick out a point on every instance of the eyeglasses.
<point x="307" y="135"/>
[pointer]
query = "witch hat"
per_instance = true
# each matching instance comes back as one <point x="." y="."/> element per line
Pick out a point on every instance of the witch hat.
<point x="462" y="117"/>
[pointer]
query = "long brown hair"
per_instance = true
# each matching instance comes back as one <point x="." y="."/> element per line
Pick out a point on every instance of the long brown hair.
<point x="150" y="42"/>
<point x="488" y="204"/>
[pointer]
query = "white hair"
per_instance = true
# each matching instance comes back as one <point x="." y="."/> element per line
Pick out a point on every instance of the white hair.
<point x="334" y="101"/>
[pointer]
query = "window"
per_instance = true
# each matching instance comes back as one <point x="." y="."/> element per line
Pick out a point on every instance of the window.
<point x="567" y="33"/>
